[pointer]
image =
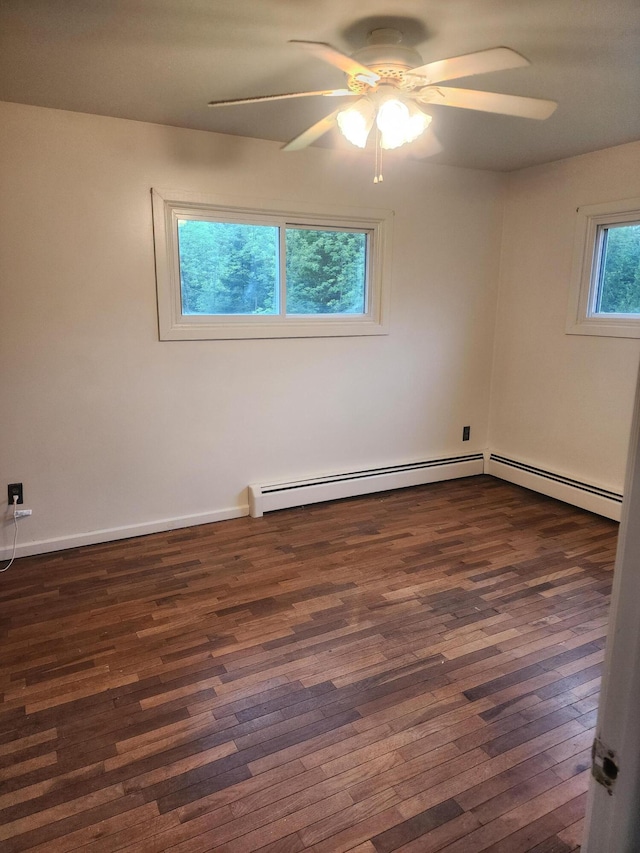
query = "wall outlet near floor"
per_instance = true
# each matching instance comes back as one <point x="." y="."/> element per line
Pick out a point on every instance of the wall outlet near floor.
<point x="14" y="489"/>
<point x="466" y="433"/>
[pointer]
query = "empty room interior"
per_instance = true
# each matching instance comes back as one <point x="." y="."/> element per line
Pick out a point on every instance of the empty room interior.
<point x="316" y="413"/>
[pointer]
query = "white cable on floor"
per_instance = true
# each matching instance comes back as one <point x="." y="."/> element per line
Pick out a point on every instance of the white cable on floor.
<point x="15" y="534"/>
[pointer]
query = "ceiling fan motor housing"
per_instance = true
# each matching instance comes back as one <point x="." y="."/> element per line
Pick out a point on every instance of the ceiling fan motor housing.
<point x="385" y="55"/>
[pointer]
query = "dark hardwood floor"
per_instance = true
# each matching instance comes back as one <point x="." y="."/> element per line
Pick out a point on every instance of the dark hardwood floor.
<point x="415" y="671"/>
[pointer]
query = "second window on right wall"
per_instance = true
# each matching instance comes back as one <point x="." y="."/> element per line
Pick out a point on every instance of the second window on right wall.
<point x="605" y="287"/>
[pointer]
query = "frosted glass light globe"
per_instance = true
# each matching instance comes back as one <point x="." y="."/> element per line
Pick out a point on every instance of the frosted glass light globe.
<point x="356" y="122"/>
<point x="399" y="123"/>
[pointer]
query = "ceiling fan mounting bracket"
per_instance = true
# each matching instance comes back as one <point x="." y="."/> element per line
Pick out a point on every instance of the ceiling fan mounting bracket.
<point x="388" y="58"/>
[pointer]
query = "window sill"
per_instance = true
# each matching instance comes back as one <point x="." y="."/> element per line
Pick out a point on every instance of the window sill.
<point x="616" y="326"/>
<point x="232" y="328"/>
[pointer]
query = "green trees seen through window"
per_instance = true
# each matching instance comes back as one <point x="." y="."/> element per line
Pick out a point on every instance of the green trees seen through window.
<point x="619" y="287"/>
<point x="228" y="268"/>
<point x="233" y="268"/>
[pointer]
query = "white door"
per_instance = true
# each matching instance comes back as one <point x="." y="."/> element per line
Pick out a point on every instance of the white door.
<point x="613" y="819"/>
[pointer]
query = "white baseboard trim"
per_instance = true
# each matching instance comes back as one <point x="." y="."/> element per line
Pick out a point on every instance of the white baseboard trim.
<point x="583" y="495"/>
<point x="110" y="534"/>
<point x="280" y="496"/>
<point x="265" y="498"/>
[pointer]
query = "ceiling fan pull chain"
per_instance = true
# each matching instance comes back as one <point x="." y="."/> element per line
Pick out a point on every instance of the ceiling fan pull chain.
<point x="378" y="177"/>
<point x="376" y="148"/>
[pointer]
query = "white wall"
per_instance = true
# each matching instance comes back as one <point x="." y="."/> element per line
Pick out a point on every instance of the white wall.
<point x="108" y="427"/>
<point x="560" y="402"/>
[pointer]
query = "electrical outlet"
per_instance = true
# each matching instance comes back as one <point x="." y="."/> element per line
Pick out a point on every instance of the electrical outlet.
<point x="466" y="433"/>
<point x="14" y="489"/>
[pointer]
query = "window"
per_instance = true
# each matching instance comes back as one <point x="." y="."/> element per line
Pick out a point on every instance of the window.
<point x="231" y="271"/>
<point x="605" y="293"/>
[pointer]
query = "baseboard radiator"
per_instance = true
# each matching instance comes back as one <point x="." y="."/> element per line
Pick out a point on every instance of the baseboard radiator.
<point x="584" y="495"/>
<point x="266" y="498"/>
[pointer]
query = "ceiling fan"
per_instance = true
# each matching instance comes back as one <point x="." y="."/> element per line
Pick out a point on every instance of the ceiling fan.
<point x="389" y="86"/>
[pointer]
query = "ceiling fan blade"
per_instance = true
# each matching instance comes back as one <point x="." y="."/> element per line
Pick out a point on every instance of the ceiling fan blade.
<point x="338" y="59"/>
<point x="312" y="133"/>
<point x="492" y="102"/>
<point x="481" y="62"/>
<point x="259" y="98"/>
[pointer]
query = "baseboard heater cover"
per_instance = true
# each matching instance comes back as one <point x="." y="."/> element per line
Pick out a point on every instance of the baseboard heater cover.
<point x="584" y="495"/>
<point x="266" y="498"/>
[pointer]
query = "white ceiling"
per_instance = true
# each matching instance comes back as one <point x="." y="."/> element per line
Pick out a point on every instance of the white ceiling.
<point x="163" y="60"/>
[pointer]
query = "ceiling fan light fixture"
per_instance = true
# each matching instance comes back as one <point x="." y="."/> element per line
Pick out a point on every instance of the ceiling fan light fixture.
<point x="400" y="122"/>
<point x="355" y="122"/>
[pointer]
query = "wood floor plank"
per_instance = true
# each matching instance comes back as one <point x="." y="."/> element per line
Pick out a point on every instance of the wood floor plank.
<point x="411" y="672"/>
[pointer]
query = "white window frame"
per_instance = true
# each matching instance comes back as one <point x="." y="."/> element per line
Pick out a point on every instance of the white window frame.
<point x="171" y="205"/>
<point x="582" y="317"/>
